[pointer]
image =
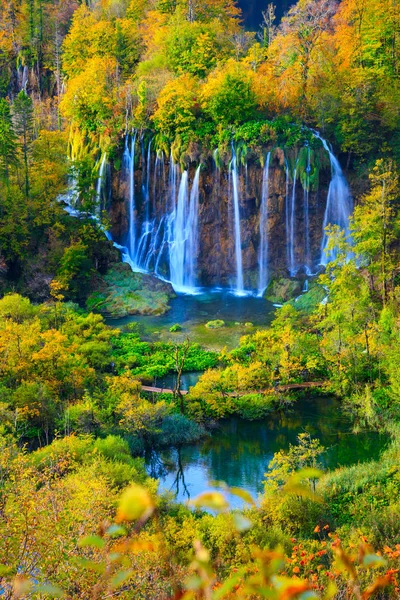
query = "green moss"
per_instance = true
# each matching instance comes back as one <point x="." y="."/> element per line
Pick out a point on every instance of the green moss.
<point x="175" y="328"/>
<point x="309" y="301"/>
<point x="282" y="290"/>
<point x="123" y="293"/>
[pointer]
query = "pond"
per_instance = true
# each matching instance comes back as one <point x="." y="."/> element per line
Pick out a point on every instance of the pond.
<point x="241" y="316"/>
<point x="238" y="452"/>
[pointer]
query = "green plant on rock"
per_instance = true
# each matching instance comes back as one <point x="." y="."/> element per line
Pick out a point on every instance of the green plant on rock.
<point x="217" y="324"/>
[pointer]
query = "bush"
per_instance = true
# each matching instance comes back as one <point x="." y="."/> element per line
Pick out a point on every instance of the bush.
<point x="215" y="324"/>
<point x="114" y="448"/>
<point x="254" y="406"/>
<point x="177" y="429"/>
<point x="175" y="328"/>
<point x="84" y="418"/>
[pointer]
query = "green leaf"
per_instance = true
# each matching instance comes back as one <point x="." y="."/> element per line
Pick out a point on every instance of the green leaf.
<point x="120" y="578"/>
<point x="373" y="561"/>
<point x="193" y="582"/>
<point x="228" y="585"/>
<point x="91" y="565"/>
<point x="4" y="570"/>
<point x="92" y="541"/>
<point x="116" y="531"/>
<point x="242" y="523"/>
<point x="50" y="590"/>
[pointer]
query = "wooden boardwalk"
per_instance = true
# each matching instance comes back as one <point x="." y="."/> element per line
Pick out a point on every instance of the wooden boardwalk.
<point x="280" y="388"/>
<point x="156" y="390"/>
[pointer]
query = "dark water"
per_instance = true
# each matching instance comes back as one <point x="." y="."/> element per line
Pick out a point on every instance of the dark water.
<point x="238" y="453"/>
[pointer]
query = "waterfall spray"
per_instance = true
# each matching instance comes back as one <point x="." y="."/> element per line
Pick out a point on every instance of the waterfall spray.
<point x="239" y="290"/>
<point x="263" y="251"/>
<point x="287" y="209"/>
<point x="292" y="262"/>
<point x="339" y="205"/>
<point x="99" y="185"/>
<point x="193" y="234"/>
<point x="129" y="163"/>
<point x="307" y="247"/>
<point x="178" y="230"/>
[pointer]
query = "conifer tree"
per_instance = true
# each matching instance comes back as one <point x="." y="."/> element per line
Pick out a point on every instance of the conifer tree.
<point x="23" y="122"/>
<point x="8" y="140"/>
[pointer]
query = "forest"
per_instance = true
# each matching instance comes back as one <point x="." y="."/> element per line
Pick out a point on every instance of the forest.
<point x="199" y="292"/>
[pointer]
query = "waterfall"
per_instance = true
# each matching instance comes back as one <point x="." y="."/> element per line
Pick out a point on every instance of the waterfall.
<point x="178" y="237"/>
<point x="307" y="247"/>
<point x="184" y="237"/>
<point x="129" y="167"/>
<point x="339" y="205"/>
<point x="287" y="216"/>
<point x="144" y="245"/>
<point x="263" y="251"/>
<point x="99" y="185"/>
<point x="146" y="190"/>
<point x="292" y="261"/>
<point x="193" y="234"/>
<point x="24" y="78"/>
<point x="239" y="290"/>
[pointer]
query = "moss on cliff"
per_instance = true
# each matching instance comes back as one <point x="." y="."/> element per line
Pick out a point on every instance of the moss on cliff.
<point x="121" y="292"/>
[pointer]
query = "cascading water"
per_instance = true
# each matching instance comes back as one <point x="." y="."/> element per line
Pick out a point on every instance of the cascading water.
<point x="287" y="209"/>
<point x="148" y="225"/>
<point x="164" y="225"/>
<point x="129" y="166"/>
<point x="239" y="290"/>
<point x="184" y="236"/>
<point x="339" y="205"/>
<point x="99" y="185"/>
<point x="292" y="217"/>
<point x="263" y="250"/>
<point x="307" y="247"/>
<point x="178" y="240"/>
<point x="193" y="233"/>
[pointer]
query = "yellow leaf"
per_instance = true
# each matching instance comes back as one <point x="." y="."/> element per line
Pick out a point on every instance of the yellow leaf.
<point x="135" y="503"/>
<point x="212" y="500"/>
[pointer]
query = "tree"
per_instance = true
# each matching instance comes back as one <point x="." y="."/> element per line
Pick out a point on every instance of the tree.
<point x="8" y="140"/>
<point x="376" y="224"/>
<point x="267" y="26"/>
<point x="177" y="107"/>
<point x="228" y="95"/>
<point x="304" y="455"/>
<point x="180" y="354"/>
<point x="75" y="269"/>
<point x="301" y="32"/>
<point x="23" y="121"/>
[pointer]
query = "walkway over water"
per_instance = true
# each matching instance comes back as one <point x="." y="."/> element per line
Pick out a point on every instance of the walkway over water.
<point x="279" y="388"/>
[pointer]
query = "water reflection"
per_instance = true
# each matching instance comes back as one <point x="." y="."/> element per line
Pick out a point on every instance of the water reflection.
<point x="239" y="452"/>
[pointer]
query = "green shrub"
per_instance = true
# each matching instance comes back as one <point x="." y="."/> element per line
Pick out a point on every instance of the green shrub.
<point x="217" y="324"/>
<point x="177" y="429"/>
<point x="114" y="448"/>
<point x="175" y="328"/>
<point x="253" y="406"/>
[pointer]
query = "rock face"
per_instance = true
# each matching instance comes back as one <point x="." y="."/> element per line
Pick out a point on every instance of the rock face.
<point x="216" y="260"/>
